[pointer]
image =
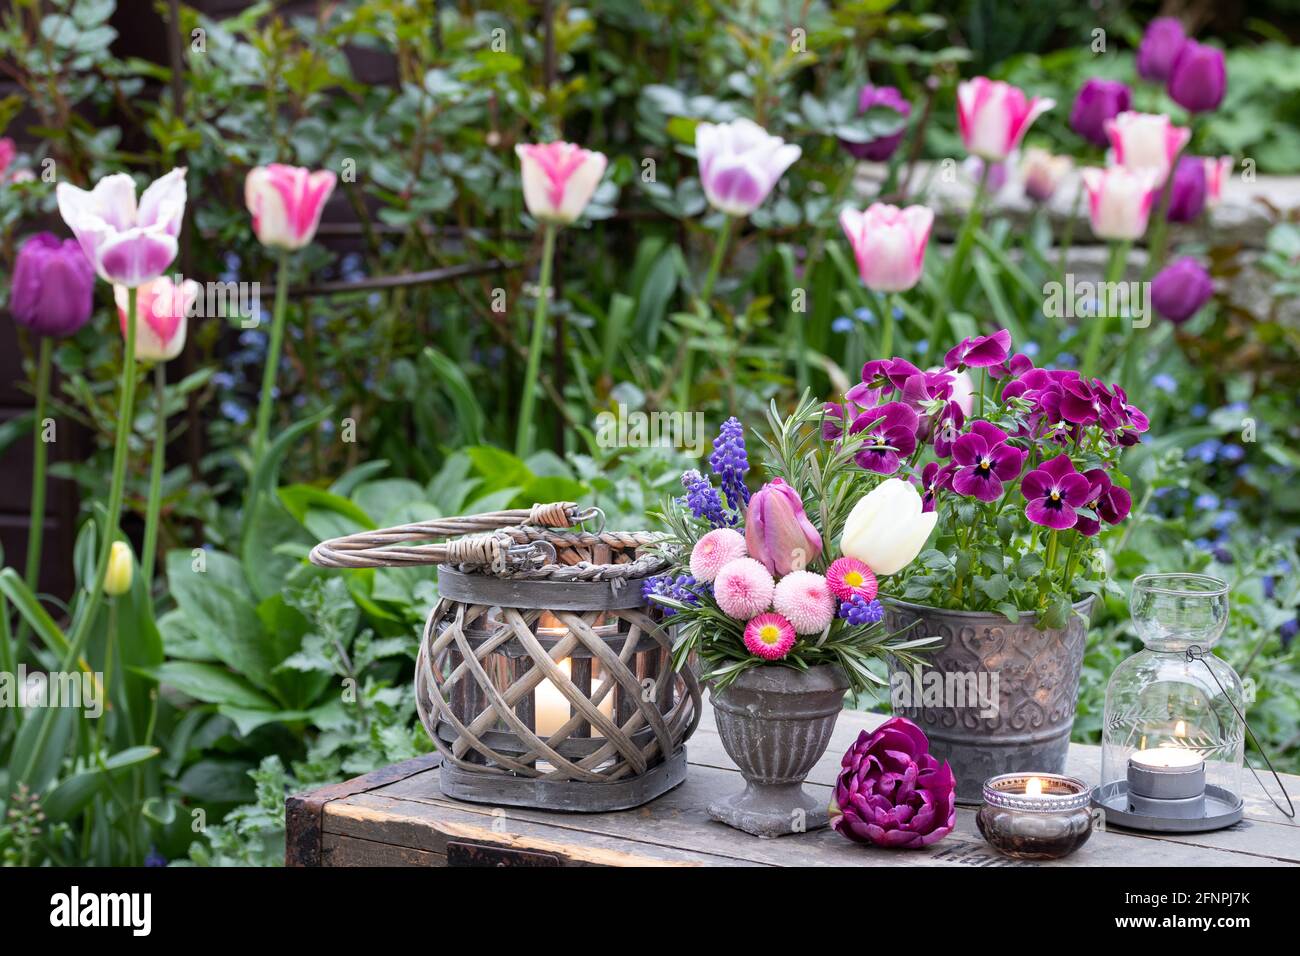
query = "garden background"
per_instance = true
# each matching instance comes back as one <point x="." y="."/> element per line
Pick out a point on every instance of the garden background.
<point x="399" y="388"/>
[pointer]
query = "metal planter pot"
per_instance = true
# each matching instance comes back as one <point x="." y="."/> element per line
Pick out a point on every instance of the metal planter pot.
<point x="775" y="723"/>
<point x="1019" y="724"/>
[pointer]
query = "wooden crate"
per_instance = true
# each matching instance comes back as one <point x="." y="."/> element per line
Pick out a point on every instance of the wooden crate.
<point x="398" y="817"/>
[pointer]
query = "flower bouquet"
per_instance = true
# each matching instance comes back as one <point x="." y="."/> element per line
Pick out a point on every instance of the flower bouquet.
<point x="775" y="594"/>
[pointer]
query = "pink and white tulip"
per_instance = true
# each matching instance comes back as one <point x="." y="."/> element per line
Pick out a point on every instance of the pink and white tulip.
<point x="740" y="163"/>
<point x="1120" y="200"/>
<point x="1146" y="141"/>
<point x="1217" y="172"/>
<point x="889" y="244"/>
<point x="161" y="311"/>
<point x="128" y="244"/>
<point x="993" y="116"/>
<point x="559" y="179"/>
<point x="286" y="203"/>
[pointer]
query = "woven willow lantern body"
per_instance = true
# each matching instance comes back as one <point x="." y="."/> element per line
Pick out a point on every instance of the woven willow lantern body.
<point x="542" y="676"/>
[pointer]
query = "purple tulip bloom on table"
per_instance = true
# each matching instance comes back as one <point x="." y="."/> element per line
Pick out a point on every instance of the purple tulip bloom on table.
<point x="892" y="792"/>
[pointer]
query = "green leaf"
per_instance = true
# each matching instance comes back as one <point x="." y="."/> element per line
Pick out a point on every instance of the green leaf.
<point x="211" y="684"/>
<point x="71" y="795"/>
<point x="298" y="499"/>
<point x="1010" y="611"/>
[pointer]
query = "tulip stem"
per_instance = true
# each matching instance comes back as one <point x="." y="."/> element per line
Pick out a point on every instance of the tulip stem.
<point x="85" y="617"/>
<point x="36" y="530"/>
<point x="154" y="506"/>
<point x="524" y="435"/>
<point x="1118" y="257"/>
<point x="887" y="326"/>
<point x="272" y="360"/>
<point x="957" y="264"/>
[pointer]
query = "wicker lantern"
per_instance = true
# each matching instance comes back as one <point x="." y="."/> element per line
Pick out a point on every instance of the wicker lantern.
<point x="542" y="676"/>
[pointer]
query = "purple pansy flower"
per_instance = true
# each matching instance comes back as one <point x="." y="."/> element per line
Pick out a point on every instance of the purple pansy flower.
<point x="934" y="479"/>
<point x="1054" y="489"/>
<point x="987" y="461"/>
<point x="891" y="431"/>
<point x="1110" y="502"/>
<point x="980" y="351"/>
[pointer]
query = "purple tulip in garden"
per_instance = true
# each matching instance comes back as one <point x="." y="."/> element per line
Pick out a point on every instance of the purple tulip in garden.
<point x="1098" y="101"/>
<point x="892" y="791"/>
<point x="1198" y="78"/>
<point x="1180" y="289"/>
<point x="53" y="282"/>
<point x="1159" y="48"/>
<point x="1187" y="195"/>
<point x="879" y="150"/>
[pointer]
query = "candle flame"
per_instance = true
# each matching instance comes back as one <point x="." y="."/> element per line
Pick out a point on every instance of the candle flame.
<point x="1180" y="729"/>
<point x="1034" y="788"/>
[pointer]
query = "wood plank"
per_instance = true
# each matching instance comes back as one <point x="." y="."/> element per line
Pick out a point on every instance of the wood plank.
<point x="339" y="850"/>
<point x="428" y="827"/>
<point x="680" y="820"/>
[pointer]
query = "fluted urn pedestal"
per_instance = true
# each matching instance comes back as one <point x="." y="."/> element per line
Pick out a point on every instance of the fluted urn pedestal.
<point x="775" y="723"/>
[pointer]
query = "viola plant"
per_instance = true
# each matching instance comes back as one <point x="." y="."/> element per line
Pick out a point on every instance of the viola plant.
<point x="788" y="576"/>
<point x="1023" y="480"/>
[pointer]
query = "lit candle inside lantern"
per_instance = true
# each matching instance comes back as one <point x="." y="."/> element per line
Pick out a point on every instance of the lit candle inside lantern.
<point x="551" y="709"/>
<point x="1167" y="781"/>
<point x="1034" y="787"/>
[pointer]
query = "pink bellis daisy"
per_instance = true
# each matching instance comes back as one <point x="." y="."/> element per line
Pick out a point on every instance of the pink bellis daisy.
<point x="849" y="576"/>
<point x="806" y="601"/>
<point x="743" y="588"/>
<point x="715" y="550"/>
<point x="769" y="636"/>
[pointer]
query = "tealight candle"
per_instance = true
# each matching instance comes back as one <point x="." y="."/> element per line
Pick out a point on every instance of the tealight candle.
<point x="1041" y="816"/>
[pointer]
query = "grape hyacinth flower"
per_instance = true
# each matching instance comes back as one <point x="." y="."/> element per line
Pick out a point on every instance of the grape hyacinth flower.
<point x="683" y="588"/>
<point x="1054" y="490"/>
<point x="860" y="611"/>
<point x="730" y="462"/>
<point x="987" y="462"/>
<point x="704" y="500"/>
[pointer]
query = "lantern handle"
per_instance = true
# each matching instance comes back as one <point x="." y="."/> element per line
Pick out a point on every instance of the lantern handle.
<point x="473" y="539"/>
<point x="1195" y="653"/>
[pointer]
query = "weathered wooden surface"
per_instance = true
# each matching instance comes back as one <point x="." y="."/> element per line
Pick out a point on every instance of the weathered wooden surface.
<point x="408" y="822"/>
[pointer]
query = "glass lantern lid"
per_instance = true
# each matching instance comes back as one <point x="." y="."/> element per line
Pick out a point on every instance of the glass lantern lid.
<point x="1174" y="702"/>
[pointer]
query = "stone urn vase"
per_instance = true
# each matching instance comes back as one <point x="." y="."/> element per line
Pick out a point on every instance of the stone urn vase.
<point x="993" y="697"/>
<point x="775" y="723"/>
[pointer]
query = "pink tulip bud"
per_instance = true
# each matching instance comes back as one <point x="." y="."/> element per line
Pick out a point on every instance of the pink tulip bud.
<point x="993" y="116"/>
<point x="1146" y="141"/>
<point x="1120" y="200"/>
<point x="286" y="203"/>
<point x="778" y="533"/>
<point x="161" y="310"/>
<point x="559" y="179"/>
<point x="889" y="244"/>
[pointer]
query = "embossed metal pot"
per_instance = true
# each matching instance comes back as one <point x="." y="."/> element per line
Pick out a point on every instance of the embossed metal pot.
<point x="1021" y="724"/>
<point x="775" y="723"/>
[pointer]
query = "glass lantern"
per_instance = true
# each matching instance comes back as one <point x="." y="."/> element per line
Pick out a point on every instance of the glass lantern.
<point x="1173" y="736"/>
